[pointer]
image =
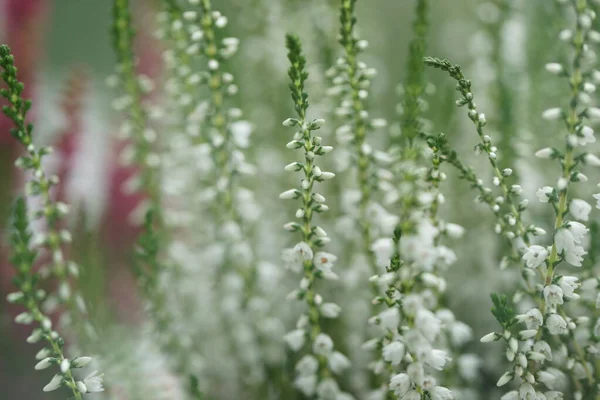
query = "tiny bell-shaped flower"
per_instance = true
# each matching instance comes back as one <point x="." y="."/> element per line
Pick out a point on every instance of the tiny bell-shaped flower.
<point x="45" y="363"/>
<point x="553" y="113"/>
<point x="591" y="159"/>
<point x="289" y="194"/>
<point x="54" y="384"/>
<point x="490" y="337"/>
<point x="93" y="382"/>
<point x="546" y="152"/>
<point x="504" y="379"/>
<point x="554" y="68"/>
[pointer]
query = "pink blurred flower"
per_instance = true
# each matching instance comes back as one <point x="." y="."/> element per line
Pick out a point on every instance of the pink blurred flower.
<point x="24" y="26"/>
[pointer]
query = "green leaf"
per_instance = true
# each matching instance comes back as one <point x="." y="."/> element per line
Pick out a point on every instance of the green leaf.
<point x="503" y="312"/>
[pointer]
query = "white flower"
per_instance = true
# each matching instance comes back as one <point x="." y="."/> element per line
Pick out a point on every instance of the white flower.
<point x="304" y="251"/>
<point x="324" y="261"/>
<point x="512" y="395"/>
<point x="394" y="352"/>
<point x="338" y="362"/>
<point x="307" y="384"/>
<point x="241" y="131"/>
<point x="289" y="194"/>
<point x="437" y="359"/>
<point x="587" y="136"/>
<point x="454" y="230"/>
<point x="504" y="379"/>
<point x="54" y="383"/>
<point x="556" y="324"/>
<point x="546" y="152"/>
<point x="535" y="256"/>
<point x="544" y="193"/>
<point x="543" y="347"/>
<point x="323" y="344"/>
<point x="292" y="260"/>
<point x="533" y="318"/>
<point x="65" y="365"/>
<point x="490" y="337"/>
<point x="412" y="395"/>
<point x="93" y="382"/>
<point x="295" y="339"/>
<point x="552" y="113"/>
<point x="383" y="249"/>
<point x="81" y="387"/>
<point x="565" y="242"/>
<point x="390" y="318"/>
<point x="547" y="379"/>
<point x="416" y="373"/>
<point x="441" y="393"/>
<point x="468" y="366"/>
<point x="330" y="310"/>
<point x="428" y="324"/>
<point x="593" y="113"/>
<point x="14" y="297"/>
<point x="597" y="197"/>
<point x="80" y="362"/>
<point x="460" y="333"/>
<point x="45" y="363"/>
<point x="527" y="392"/>
<point x="328" y="389"/>
<point x="308" y="365"/>
<point x="554" y="68"/>
<point x="578" y="230"/>
<point x="575" y="257"/>
<point x="580" y="209"/>
<point x="527" y="334"/>
<point x="553" y="295"/>
<point x="568" y="284"/>
<point x="400" y="384"/>
<point x="592" y="160"/>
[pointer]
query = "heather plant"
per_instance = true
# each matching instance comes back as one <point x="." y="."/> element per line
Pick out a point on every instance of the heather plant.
<point x="39" y="303"/>
<point x="375" y="291"/>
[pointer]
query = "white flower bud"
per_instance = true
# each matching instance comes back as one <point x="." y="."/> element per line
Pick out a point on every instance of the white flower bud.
<point x="81" y="387"/>
<point x="290" y="122"/>
<point x="552" y="113"/>
<point x="65" y="365"/>
<point x="80" y="362"/>
<point x="546" y="152"/>
<point x="554" y="68"/>
<point x="289" y="194"/>
<point x="15" y="297"/>
<point x="565" y="35"/>
<point x="593" y="113"/>
<point x="45" y="363"/>
<point x="327" y="175"/>
<point x="490" y="337"/>
<point x="54" y="384"/>
<point x="213" y="64"/>
<point x="292" y="166"/>
<point x="504" y="379"/>
<point x="592" y="160"/>
<point x="318" y="198"/>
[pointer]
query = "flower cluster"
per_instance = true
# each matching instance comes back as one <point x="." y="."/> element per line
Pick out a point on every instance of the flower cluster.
<point x="527" y="335"/>
<point x="351" y="82"/>
<point x="208" y="157"/>
<point x="314" y="370"/>
<point x="213" y="323"/>
<point x="419" y="333"/>
<point x="38" y="303"/>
